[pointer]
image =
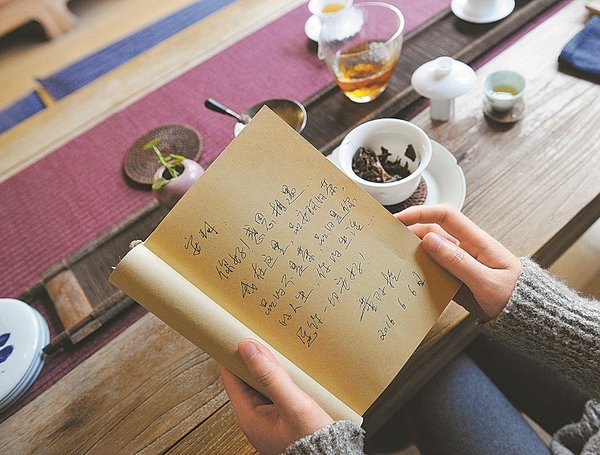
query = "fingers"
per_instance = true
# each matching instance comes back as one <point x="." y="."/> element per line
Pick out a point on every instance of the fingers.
<point x="273" y="425"/>
<point x="421" y="229"/>
<point x="455" y="260"/>
<point x="482" y="263"/>
<point x="239" y="393"/>
<point x="270" y="376"/>
<point x="473" y="239"/>
<point x="243" y="397"/>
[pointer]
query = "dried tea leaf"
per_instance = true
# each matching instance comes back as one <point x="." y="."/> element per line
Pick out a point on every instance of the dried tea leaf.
<point x="372" y="167"/>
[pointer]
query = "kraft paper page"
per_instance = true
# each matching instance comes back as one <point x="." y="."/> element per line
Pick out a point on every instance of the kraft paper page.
<point x="149" y="280"/>
<point x="292" y="248"/>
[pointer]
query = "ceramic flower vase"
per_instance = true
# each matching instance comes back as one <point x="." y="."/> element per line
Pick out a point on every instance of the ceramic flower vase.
<point x="170" y="193"/>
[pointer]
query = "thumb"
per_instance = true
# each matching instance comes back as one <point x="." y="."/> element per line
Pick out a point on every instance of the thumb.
<point x="454" y="259"/>
<point x="271" y="378"/>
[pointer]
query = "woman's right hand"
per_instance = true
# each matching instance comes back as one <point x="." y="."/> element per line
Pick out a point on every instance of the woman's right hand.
<point x="458" y="245"/>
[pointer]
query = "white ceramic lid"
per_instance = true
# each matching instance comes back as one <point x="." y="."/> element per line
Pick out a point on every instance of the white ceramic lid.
<point x="443" y="78"/>
<point x="23" y="334"/>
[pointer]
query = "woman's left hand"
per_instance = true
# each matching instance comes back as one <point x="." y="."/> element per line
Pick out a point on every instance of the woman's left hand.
<point x="281" y="413"/>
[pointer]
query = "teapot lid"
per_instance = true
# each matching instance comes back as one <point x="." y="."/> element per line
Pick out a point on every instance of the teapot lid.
<point x="443" y="78"/>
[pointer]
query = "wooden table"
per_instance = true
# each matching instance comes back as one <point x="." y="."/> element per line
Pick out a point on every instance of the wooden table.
<point x="535" y="186"/>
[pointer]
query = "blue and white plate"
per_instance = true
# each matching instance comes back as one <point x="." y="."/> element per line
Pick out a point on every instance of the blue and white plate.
<point x="23" y="334"/>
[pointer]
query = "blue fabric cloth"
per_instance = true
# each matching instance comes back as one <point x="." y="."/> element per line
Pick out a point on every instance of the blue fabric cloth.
<point x="581" y="55"/>
<point x="20" y="110"/>
<point x="462" y="412"/>
<point x="90" y="68"/>
<point x="95" y="65"/>
<point x="532" y="387"/>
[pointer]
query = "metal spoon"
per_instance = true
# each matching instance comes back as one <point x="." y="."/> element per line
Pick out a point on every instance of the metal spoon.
<point x="214" y="105"/>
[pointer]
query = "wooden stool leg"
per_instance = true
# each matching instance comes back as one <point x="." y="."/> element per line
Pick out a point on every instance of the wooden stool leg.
<point x="64" y="19"/>
<point x="46" y="20"/>
<point x="15" y="13"/>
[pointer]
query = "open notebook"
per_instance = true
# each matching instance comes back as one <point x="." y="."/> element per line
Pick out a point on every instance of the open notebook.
<point x="275" y="243"/>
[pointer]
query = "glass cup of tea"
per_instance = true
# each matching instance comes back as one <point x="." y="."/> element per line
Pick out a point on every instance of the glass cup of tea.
<point x="361" y="46"/>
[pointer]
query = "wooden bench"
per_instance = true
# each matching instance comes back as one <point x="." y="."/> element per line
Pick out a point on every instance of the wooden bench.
<point x="53" y="15"/>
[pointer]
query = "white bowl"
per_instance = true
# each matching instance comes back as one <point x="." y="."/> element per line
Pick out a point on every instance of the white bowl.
<point x="395" y="135"/>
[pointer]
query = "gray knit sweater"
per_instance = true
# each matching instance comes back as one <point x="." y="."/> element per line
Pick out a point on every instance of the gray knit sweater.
<point x="544" y="318"/>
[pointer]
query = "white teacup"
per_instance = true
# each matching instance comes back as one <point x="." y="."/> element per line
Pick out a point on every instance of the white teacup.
<point x="503" y="89"/>
<point x="482" y="11"/>
<point x="395" y="135"/>
<point x="480" y="8"/>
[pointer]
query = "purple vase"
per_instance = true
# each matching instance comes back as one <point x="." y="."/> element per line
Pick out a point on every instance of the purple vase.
<point x="170" y="193"/>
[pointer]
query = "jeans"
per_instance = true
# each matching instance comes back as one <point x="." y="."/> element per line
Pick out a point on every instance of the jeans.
<point x="462" y="411"/>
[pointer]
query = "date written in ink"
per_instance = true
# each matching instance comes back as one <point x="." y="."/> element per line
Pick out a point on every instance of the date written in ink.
<point x="385" y="330"/>
<point x="419" y="282"/>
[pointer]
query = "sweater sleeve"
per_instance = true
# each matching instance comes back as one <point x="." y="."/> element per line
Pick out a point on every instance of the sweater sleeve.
<point x="582" y="437"/>
<point x="547" y="319"/>
<point x="341" y="437"/>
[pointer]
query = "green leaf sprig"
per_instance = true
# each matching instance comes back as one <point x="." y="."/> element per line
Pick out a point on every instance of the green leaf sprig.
<point x="171" y="162"/>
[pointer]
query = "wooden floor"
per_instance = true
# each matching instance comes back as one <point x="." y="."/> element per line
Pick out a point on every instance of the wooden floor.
<point x="26" y="54"/>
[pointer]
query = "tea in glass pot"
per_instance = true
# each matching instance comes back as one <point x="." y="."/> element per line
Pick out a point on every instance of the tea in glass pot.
<point x="361" y="46"/>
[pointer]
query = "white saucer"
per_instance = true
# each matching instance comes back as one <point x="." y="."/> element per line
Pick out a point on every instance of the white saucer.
<point x="23" y="334"/>
<point x="312" y="27"/>
<point x="445" y="179"/>
<point x="502" y="9"/>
